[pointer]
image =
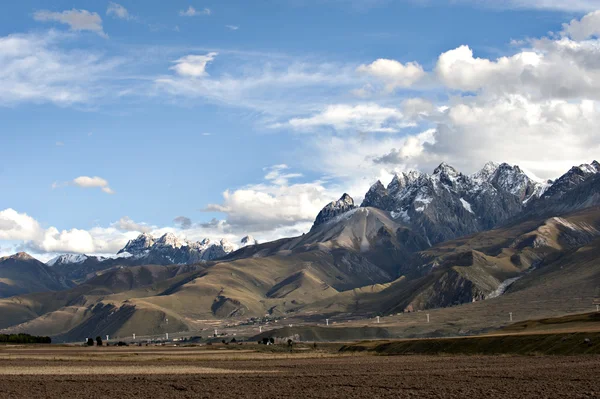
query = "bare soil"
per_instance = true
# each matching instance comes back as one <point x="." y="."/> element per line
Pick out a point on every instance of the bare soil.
<point x="82" y="373"/>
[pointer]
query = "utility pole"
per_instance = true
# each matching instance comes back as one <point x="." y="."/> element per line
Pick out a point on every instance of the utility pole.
<point x="510" y="315"/>
<point x="134" y="336"/>
<point x="107" y="338"/>
<point x="167" y="336"/>
<point x="327" y="321"/>
<point x="427" y="317"/>
<point x="377" y="319"/>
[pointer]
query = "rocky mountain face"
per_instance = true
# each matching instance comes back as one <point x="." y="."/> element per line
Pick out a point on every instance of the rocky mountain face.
<point x="449" y="204"/>
<point x="335" y="208"/>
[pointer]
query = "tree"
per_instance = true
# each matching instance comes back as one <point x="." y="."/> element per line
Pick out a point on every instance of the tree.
<point x="98" y="341"/>
<point x="265" y="341"/>
<point x="272" y="340"/>
<point x="90" y="342"/>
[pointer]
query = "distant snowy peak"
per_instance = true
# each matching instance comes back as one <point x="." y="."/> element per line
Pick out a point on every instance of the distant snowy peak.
<point x="165" y="250"/>
<point x="248" y="240"/>
<point x="142" y="243"/>
<point x="335" y="208"/>
<point x="67" y="259"/>
<point x="175" y="250"/>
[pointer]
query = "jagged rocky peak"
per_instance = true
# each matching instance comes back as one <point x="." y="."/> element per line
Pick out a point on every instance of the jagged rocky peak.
<point x="403" y="180"/>
<point x="335" y="208"/>
<point x="376" y="196"/>
<point x="485" y="173"/>
<point x="513" y="180"/>
<point x="575" y="176"/>
<point x="248" y="240"/>
<point x="447" y="175"/>
<point x="170" y="240"/>
<point x="138" y="245"/>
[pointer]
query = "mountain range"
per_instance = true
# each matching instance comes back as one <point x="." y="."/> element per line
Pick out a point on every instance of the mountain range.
<point x="424" y="241"/>
<point x="145" y="250"/>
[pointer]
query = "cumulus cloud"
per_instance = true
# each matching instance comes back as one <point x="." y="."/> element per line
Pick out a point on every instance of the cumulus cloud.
<point x="193" y="66"/>
<point x="118" y="11"/>
<point x="78" y="20"/>
<point x="192" y="12"/>
<point x="93" y="182"/>
<point x="458" y="69"/>
<point x="586" y="27"/>
<point x="546" y="137"/>
<point x="17" y="226"/>
<point x="394" y="74"/>
<point x="368" y="118"/>
<point x="273" y="204"/>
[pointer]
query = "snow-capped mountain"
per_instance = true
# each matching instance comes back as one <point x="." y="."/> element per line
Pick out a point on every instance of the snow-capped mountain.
<point x="248" y="240"/>
<point x="449" y="204"/>
<point x="169" y="249"/>
<point x="144" y="250"/>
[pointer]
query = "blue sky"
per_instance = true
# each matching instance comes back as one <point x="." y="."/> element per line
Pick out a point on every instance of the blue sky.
<point x="248" y="117"/>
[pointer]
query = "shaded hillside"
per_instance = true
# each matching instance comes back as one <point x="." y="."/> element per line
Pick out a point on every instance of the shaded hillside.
<point x="22" y="274"/>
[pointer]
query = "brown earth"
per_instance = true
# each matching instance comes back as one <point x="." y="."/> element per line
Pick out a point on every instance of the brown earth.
<point x="135" y="373"/>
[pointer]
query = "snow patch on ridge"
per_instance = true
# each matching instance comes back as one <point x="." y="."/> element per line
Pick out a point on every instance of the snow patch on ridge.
<point x="466" y="205"/>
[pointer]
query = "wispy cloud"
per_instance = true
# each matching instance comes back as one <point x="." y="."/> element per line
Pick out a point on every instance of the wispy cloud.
<point x="86" y="182"/>
<point x="192" y="12"/>
<point x="37" y="68"/>
<point x="78" y="20"/>
<point x="118" y="11"/>
<point x="232" y="27"/>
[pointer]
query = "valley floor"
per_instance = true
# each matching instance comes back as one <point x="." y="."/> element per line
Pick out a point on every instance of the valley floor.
<point x="248" y="371"/>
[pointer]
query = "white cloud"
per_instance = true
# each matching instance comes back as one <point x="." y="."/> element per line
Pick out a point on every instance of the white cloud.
<point x="458" y="69"/>
<point x="258" y="82"/>
<point x="552" y="5"/>
<point x="192" y="12"/>
<point x="232" y="27"/>
<point x="193" y="66"/>
<point x="562" y="69"/>
<point x="546" y="137"/>
<point x="33" y="68"/>
<point x="127" y="224"/>
<point x="17" y="226"/>
<point x="93" y="182"/>
<point x="78" y="20"/>
<point x="367" y="118"/>
<point x="274" y="204"/>
<point x="393" y="73"/>
<point x="559" y="5"/>
<point x="586" y="27"/>
<point x="118" y="11"/>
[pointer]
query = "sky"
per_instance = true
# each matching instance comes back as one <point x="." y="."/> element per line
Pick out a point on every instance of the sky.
<point x="225" y="118"/>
